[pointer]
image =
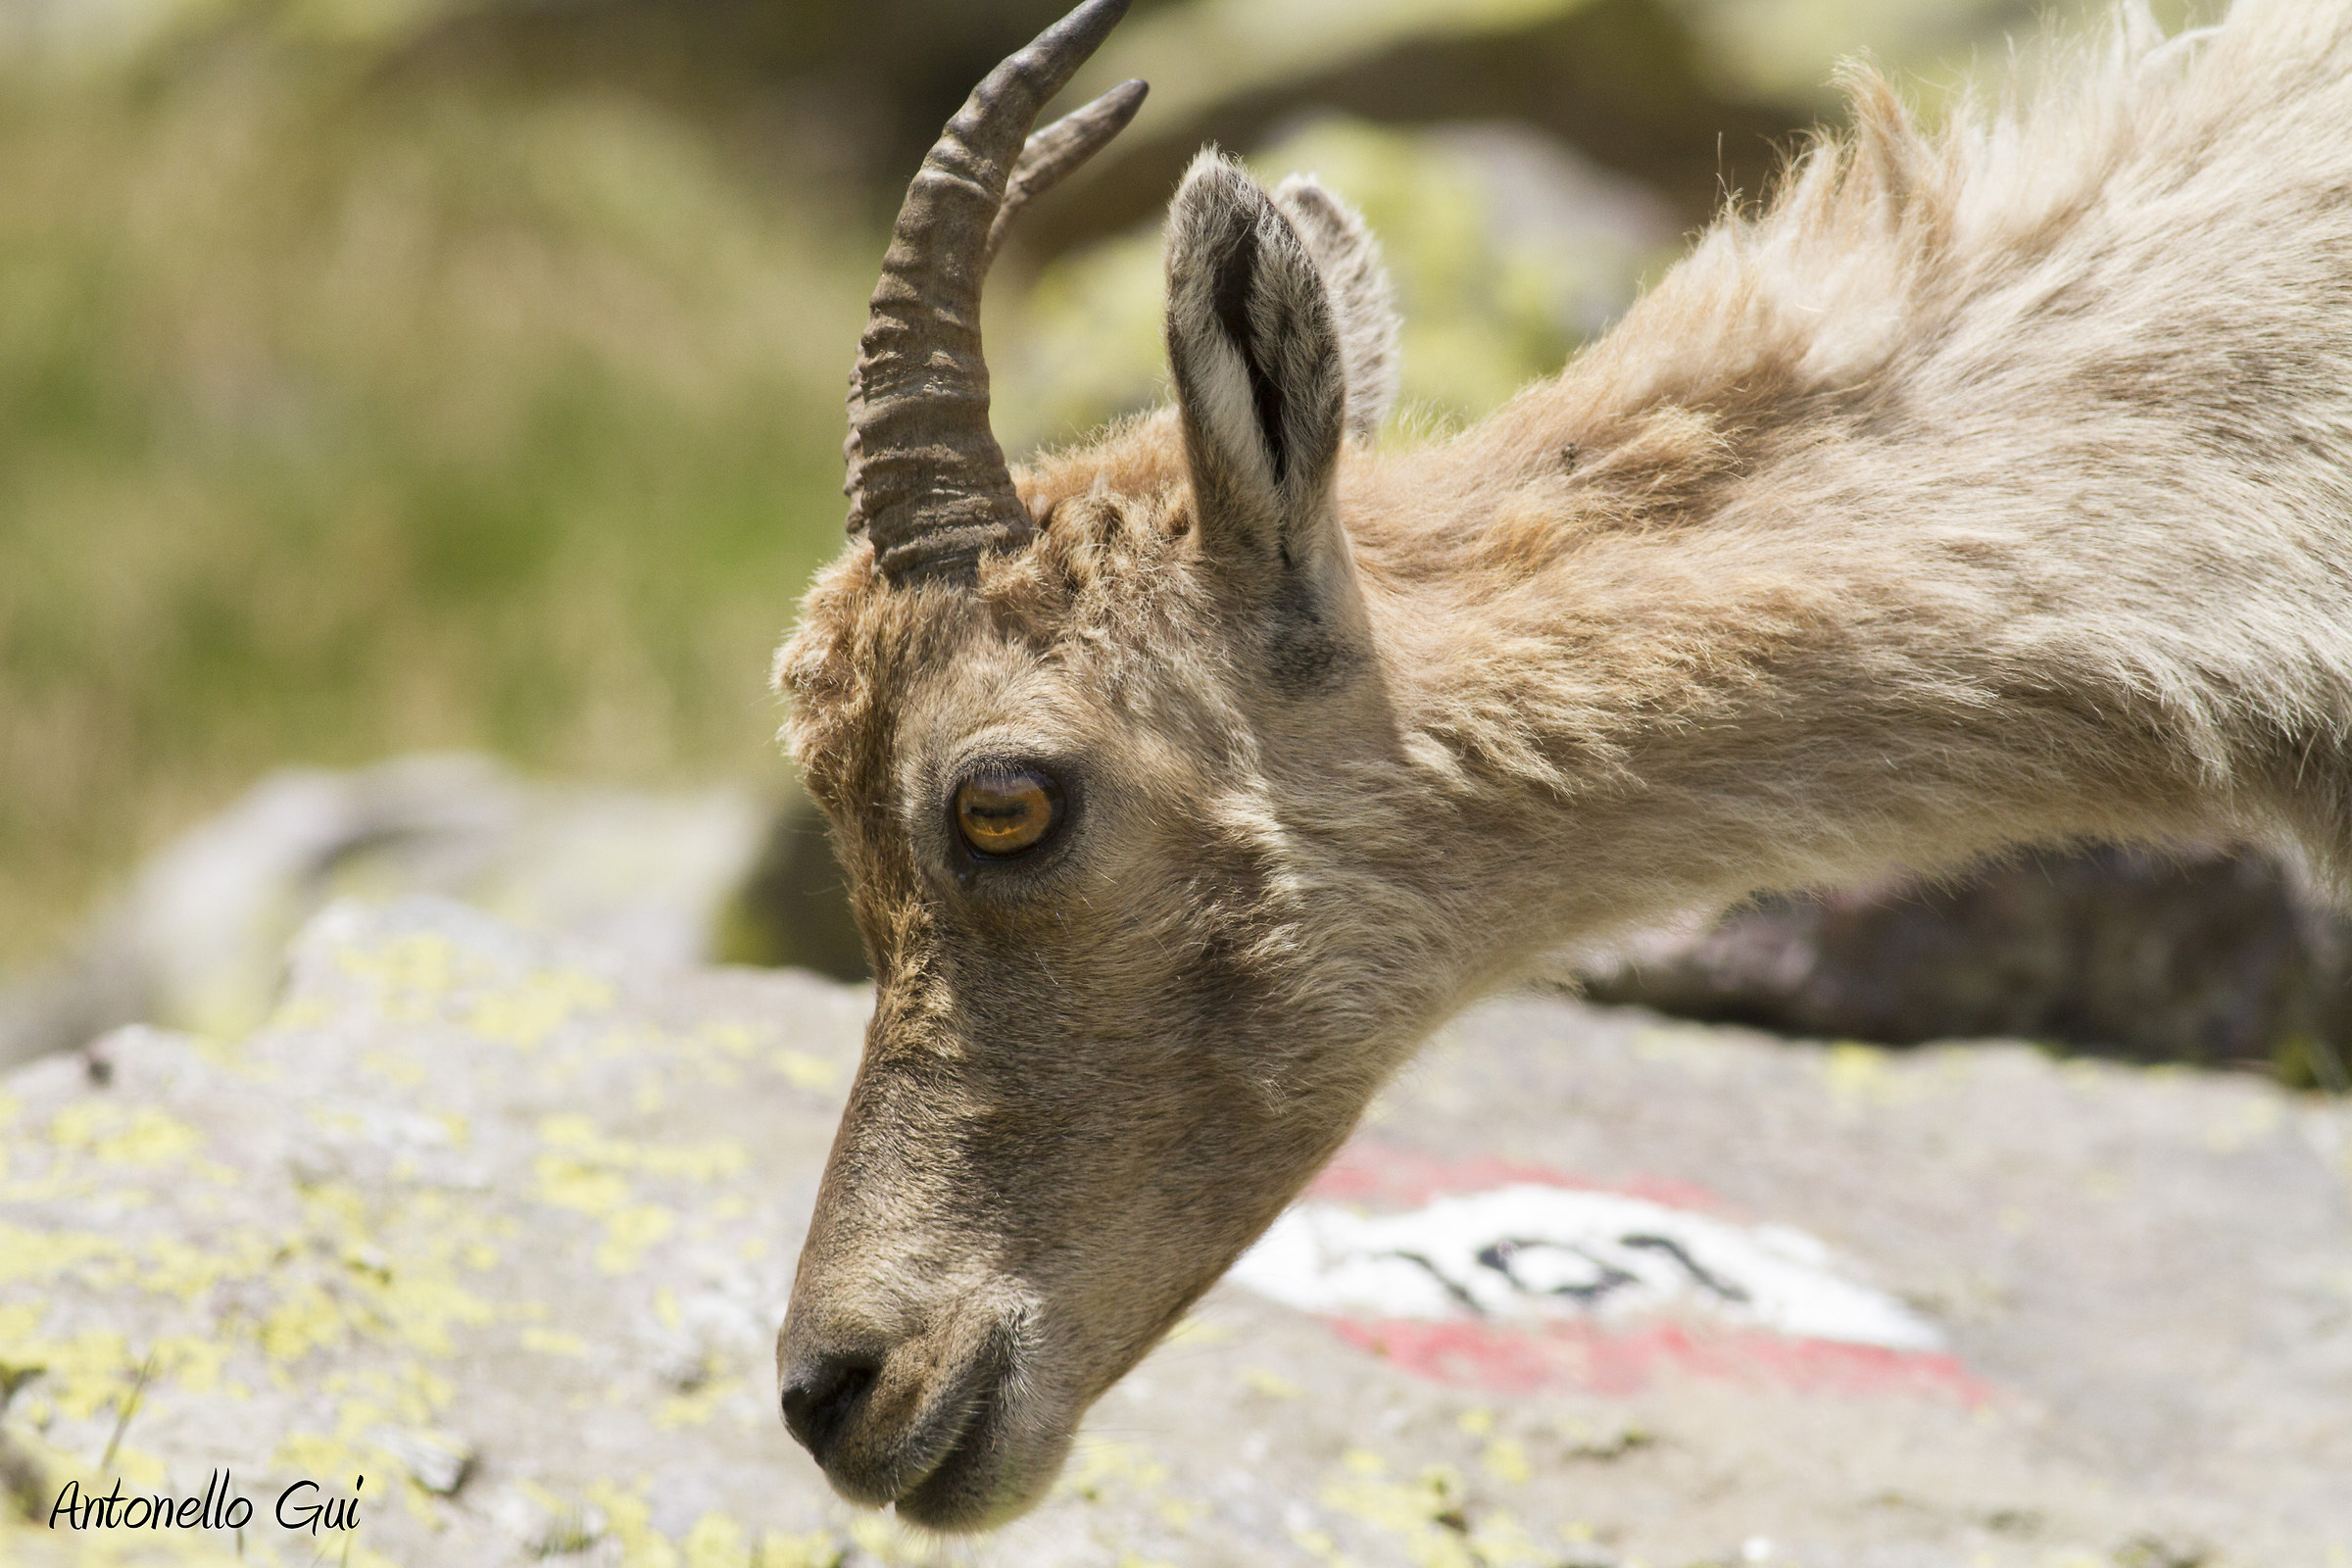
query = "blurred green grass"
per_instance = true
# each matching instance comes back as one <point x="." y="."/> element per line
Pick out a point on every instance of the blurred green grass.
<point x="336" y="422"/>
<point x="343" y="415"/>
<point x="378" y="379"/>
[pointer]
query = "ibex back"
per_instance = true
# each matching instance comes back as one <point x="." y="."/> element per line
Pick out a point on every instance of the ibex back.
<point x="1990" y="487"/>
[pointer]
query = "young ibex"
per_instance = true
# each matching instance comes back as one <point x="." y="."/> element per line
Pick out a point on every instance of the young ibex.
<point x="1990" y="487"/>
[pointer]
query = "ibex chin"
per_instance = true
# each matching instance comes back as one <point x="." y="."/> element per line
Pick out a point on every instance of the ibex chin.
<point x="1989" y="487"/>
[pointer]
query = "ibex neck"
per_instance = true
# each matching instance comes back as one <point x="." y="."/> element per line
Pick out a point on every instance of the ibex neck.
<point x="1804" y="574"/>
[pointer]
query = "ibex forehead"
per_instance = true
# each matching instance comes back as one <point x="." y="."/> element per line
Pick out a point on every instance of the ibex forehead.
<point x="1068" y="649"/>
<point x="1110" y="549"/>
<point x="1136" y="467"/>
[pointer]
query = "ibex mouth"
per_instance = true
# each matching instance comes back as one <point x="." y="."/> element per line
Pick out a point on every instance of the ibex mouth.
<point x="967" y="1484"/>
<point x="947" y="1440"/>
<point x="944" y="1448"/>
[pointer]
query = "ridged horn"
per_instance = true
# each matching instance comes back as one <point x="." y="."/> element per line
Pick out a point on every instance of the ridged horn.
<point x="927" y="482"/>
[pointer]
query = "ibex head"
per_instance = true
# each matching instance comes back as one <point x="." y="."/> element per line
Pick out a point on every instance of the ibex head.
<point x="1086" y="734"/>
<point x="1185" y="781"/>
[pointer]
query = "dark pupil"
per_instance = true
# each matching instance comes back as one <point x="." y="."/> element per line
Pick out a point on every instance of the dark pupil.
<point x="1004" y="813"/>
<point x="1000" y="807"/>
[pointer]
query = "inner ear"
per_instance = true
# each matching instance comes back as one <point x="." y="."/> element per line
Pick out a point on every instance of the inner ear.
<point x="1255" y="358"/>
<point x="1236" y="283"/>
<point x="1262" y="392"/>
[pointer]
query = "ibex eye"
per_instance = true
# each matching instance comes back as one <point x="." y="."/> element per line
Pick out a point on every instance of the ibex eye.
<point x="1006" y="810"/>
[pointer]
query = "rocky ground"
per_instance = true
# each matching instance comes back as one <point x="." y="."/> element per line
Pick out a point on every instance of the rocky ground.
<point x="508" y="1230"/>
<point x="198" y="939"/>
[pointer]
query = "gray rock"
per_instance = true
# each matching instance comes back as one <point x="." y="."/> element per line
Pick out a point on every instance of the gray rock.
<point x="198" y="942"/>
<point x="2212" y="957"/>
<point x="438" y="1461"/>
<point x="485" y="1185"/>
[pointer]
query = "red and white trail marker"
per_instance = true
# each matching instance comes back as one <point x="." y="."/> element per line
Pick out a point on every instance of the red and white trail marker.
<point x="1513" y="1277"/>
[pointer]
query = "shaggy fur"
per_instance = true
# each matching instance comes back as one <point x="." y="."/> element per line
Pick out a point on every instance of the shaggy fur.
<point x="1992" y="486"/>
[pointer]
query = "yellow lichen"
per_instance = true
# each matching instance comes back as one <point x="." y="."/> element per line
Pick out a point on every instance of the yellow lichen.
<point x="307" y="1319"/>
<point x="411" y="974"/>
<point x="190" y="1362"/>
<point x="49" y="1256"/>
<point x="299" y="1013"/>
<point x="92" y="1371"/>
<point x="19" y="1322"/>
<point x="1098" y="1464"/>
<point x="2255" y="1118"/>
<point x="1198" y="1330"/>
<point x="570" y="1184"/>
<point x="544" y="1002"/>
<point x="1181" y="1515"/>
<point x="1498" y="1541"/>
<point x="693" y="1408"/>
<point x="1860" y="1077"/>
<point x="631" y="1517"/>
<point x="1319" y="1544"/>
<point x="587" y="1171"/>
<point x="818" y="1548"/>
<point x="1272" y="1385"/>
<point x="1506" y="1463"/>
<point x="804" y="1072"/>
<point x="716" y="1541"/>
<point x="1428" y="1517"/>
<point x="577" y="1137"/>
<point x="144" y="1136"/>
<point x="888" y="1542"/>
<point x="628" y="1232"/>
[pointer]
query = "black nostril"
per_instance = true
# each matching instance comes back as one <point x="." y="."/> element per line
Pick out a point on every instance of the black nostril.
<point x="819" y="1397"/>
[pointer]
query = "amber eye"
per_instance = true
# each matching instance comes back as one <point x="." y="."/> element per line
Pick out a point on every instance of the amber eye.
<point x="1005" y="812"/>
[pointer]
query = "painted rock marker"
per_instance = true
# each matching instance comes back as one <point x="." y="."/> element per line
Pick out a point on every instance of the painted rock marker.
<point x="1547" y="1280"/>
<point x="1554" y="1251"/>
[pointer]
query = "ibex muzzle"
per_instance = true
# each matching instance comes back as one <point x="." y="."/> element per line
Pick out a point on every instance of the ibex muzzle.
<point x="1947" y="504"/>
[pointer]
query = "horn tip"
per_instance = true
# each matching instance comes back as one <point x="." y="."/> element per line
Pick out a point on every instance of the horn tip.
<point x="1092" y="22"/>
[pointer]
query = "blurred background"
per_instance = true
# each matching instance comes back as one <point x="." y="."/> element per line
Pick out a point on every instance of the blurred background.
<point x="441" y="399"/>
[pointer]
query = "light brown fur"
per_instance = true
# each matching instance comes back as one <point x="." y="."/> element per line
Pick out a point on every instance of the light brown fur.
<point x="1993" y="487"/>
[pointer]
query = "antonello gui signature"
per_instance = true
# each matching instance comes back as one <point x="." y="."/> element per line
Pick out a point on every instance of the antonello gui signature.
<point x="303" y="1506"/>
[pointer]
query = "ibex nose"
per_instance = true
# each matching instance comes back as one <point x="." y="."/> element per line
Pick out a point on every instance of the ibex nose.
<point x="820" y="1393"/>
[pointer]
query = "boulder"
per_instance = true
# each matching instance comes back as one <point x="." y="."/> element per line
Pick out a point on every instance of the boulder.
<point x="198" y="941"/>
<point x="2219" y="957"/>
<point x="506" y="1228"/>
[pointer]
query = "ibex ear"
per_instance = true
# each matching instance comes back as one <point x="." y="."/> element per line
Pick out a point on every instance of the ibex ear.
<point x="1260" y="380"/>
<point x="1363" y="303"/>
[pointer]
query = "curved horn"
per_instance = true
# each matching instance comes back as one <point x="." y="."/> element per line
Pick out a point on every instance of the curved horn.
<point x="927" y="481"/>
<point x="1056" y="152"/>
